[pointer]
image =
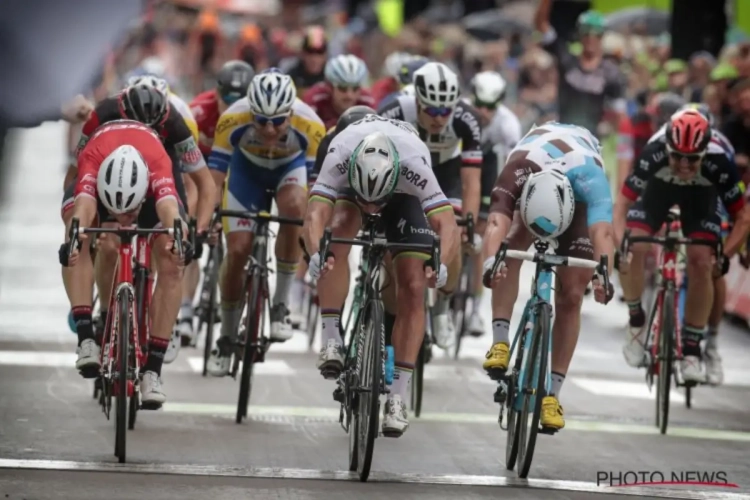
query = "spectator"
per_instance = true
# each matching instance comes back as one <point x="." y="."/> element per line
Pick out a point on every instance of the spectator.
<point x="737" y="126"/>
<point x="701" y="64"/>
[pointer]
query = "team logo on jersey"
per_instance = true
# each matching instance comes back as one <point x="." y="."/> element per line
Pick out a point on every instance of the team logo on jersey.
<point x="414" y="178"/>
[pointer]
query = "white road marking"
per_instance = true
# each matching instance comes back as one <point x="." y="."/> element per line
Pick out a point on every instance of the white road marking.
<point x="619" y="389"/>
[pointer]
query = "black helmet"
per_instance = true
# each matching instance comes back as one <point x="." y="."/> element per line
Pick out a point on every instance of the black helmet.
<point x="145" y="104"/>
<point x="233" y="79"/>
<point x="353" y="114"/>
<point x="667" y="104"/>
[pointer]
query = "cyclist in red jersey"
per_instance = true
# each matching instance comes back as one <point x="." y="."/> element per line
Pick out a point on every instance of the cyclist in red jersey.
<point x="125" y="177"/>
<point x="231" y="84"/>
<point x="390" y="82"/>
<point x="345" y="75"/>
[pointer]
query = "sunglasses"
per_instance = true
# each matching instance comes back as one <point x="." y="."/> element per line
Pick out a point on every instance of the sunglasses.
<point x="691" y="158"/>
<point x="276" y="121"/>
<point x="485" y="105"/>
<point x="591" y="31"/>
<point x="230" y="99"/>
<point x="436" y="111"/>
<point x="347" y="88"/>
<point x="316" y="52"/>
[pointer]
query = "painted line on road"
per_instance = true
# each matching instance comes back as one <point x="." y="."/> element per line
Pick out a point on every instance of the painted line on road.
<point x="375" y="477"/>
<point x="332" y="414"/>
<point x="615" y="388"/>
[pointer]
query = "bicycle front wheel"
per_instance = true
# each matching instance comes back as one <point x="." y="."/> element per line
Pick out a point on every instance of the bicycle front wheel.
<point x="209" y="316"/>
<point x="121" y="381"/>
<point x="460" y="303"/>
<point x="313" y="313"/>
<point x="666" y="360"/>
<point x="371" y="379"/>
<point x="253" y="324"/>
<point x="417" y="384"/>
<point x="533" y="388"/>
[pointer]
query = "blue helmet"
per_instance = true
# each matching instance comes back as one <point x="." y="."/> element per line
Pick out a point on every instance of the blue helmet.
<point x="406" y="72"/>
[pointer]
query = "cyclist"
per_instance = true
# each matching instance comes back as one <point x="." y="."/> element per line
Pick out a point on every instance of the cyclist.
<point x="308" y="69"/>
<point x="452" y="131"/>
<point x="379" y="165"/>
<point x="390" y="81"/>
<point x="501" y="131"/>
<point x="345" y="78"/>
<point x="682" y="168"/>
<point x="405" y="79"/>
<point x="149" y="106"/>
<point x="265" y="141"/>
<point x="125" y="177"/>
<point x="552" y="187"/>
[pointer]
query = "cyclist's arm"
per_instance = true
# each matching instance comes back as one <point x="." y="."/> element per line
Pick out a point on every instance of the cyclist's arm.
<point x="319" y="213"/>
<point x="221" y="152"/>
<point x="590" y="185"/>
<point x="193" y="164"/>
<point x="470" y="131"/>
<point x="443" y="223"/>
<point x="652" y="158"/>
<point x="723" y="172"/>
<point x="85" y="204"/>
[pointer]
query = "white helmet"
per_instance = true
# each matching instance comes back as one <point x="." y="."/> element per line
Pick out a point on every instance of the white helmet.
<point x="488" y="87"/>
<point x="346" y="70"/>
<point x="271" y="94"/>
<point x="409" y="90"/>
<point x="436" y="85"/>
<point x="152" y="65"/>
<point x="374" y="167"/>
<point x="547" y="204"/>
<point x="122" y="181"/>
<point x="393" y="63"/>
<point x="152" y="81"/>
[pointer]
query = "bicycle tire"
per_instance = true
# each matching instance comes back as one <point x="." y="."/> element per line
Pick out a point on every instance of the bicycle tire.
<point x="351" y="395"/>
<point x="511" y="440"/>
<point x="252" y="334"/>
<point x="313" y="313"/>
<point x="371" y="382"/>
<point x="417" y="384"/>
<point x="121" y="401"/>
<point x="460" y="302"/>
<point x="666" y="357"/>
<point x="209" y="317"/>
<point x="533" y="388"/>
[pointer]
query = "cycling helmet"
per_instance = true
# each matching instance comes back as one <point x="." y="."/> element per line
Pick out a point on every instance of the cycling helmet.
<point x="353" y="114"/>
<point x="591" y="21"/>
<point x="374" y="168"/>
<point x="393" y="63"/>
<point x="314" y="40"/>
<point x="688" y="132"/>
<point x="667" y="104"/>
<point x="409" y="90"/>
<point x="122" y="181"/>
<point x="145" y="104"/>
<point x="488" y="87"/>
<point x="346" y="70"/>
<point x="271" y="94"/>
<point x="233" y="80"/>
<point x="436" y="85"/>
<point x="150" y="80"/>
<point x="406" y="73"/>
<point x="702" y="109"/>
<point x="152" y="65"/>
<point x="547" y="204"/>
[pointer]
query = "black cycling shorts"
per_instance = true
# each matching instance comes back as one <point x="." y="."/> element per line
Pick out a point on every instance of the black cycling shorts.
<point x="489" y="176"/>
<point x="402" y="221"/>
<point x="448" y="175"/>
<point x="700" y="209"/>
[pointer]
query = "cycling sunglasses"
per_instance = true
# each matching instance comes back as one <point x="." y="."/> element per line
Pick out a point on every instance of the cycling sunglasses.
<point x="276" y="121"/>
<point x="231" y="98"/>
<point x="347" y="88"/>
<point x="436" y="111"/>
<point x="588" y="30"/>
<point x="484" y="105"/>
<point x="690" y="157"/>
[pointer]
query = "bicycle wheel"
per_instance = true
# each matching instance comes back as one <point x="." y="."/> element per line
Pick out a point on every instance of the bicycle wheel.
<point x="417" y="384"/>
<point x="121" y="398"/>
<point x="371" y="373"/>
<point x="313" y="313"/>
<point x="511" y="441"/>
<point x="533" y="388"/>
<point x="666" y="359"/>
<point x="253" y="324"/>
<point x="208" y="317"/>
<point x="460" y="303"/>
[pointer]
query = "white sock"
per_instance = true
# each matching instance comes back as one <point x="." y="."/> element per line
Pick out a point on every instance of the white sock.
<point x="285" y="273"/>
<point x="298" y="291"/>
<point x="186" y="309"/>
<point x="231" y="313"/>
<point x="557" y="383"/>
<point x="401" y="382"/>
<point x="330" y="320"/>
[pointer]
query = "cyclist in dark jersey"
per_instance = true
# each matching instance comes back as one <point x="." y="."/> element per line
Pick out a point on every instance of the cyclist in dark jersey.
<point x="589" y="85"/>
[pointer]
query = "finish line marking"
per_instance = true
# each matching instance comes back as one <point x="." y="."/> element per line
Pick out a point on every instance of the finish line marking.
<point x="379" y="477"/>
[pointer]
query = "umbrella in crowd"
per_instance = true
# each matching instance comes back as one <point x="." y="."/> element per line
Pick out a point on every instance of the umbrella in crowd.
<point x="492" y="25"/>
<point x="651" y="22"/>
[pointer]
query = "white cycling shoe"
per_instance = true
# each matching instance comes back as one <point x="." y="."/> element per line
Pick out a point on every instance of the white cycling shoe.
<point x="88" y="358"/>
<point x="443" y="330"/>
<point x="476" y="325"/>
<point x="331" y="359"/>
<point x="218" y="365"/>
<point x="714" y="368"/>
<point x="395" y="418"/>
<point x="152" y="395"/>
<point x="691" y="369"/>
<point x="174" y="346"/>
<point x="633" y="349"/>
<point x="281" y="324"/>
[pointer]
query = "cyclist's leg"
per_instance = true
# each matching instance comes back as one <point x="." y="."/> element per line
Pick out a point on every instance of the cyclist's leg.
<point x="334" y="286"/>
<point x="405" y="222"/>
<point x="645" y="217"/>
<point x="700" y="216"/>
<point x="79" y="283"/>
<point x="299" y="288"/>
<point x="570" y="288"/>
<point x="291" y="201"/>
<point x="164" y="307"/>
<point x="504" y="297"/>
<point x="714" y="369"/>
<point x="192" y="271"/>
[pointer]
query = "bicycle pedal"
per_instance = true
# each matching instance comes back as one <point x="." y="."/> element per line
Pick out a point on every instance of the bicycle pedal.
<point x="391" y="434"/>
<point x="550" y="431"/>
<point x="330" y="373"/>
<point x="496" y="374"/>
<point x="150" y="406"/>
<point x="90" y="372"/>
<point x="501" y="394"/>
<point x="339" y="396"/>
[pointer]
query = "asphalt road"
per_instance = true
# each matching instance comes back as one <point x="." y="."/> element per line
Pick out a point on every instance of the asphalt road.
<point x="56" y="443"/>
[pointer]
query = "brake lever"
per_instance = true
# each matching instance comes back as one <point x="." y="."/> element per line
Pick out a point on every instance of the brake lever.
<point x="73" y="241"/>
<point x="178" y="237"/>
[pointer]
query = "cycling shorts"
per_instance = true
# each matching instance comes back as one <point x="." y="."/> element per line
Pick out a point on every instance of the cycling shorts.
<point x="448" y="175"/>
<point x="250" y="187"/>
<point x="574" y="242"/>
<point x="489" y="176"/>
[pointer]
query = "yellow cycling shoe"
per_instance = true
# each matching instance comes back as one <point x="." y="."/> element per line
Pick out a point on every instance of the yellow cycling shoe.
<point x="552" y="413"/>
<point x="498" y="358"/>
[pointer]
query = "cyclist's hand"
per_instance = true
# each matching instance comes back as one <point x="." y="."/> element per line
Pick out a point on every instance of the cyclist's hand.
<point x="724" y="262"/>
<point x="436" y="280"/>
<point x="70" y="260"/>
<point x="623" y="262"/>
<point x="200" y="240"/>
<point x="214" y="233"/>
<point x="317" y="268"/>
<point x="474" y="246"/>
<point x="600" y="294"/>
<point x="180" y="260"/>
<point x="490" y="281"/>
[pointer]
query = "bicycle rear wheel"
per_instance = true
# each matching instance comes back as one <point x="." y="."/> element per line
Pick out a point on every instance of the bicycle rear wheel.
<point x="460" y="303"/>
<point x="253" y="326"/>
<point x="417" y="384"/>
<point x="666" y="360"/>
<point x="121" y="381"/>
<point x="313" y="313"/>
<point x="533" y="388"/>
<point x="371" y="373"/>
<point x="209" y="316"/>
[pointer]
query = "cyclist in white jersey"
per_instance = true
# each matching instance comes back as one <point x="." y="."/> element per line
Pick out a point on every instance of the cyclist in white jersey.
<point x="501" y="131"/>
<point x="554" y="177"/>
<point x="378" y="165"/>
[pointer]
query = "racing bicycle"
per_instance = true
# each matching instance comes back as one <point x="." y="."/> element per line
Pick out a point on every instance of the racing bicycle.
<point x="207" y="310"/>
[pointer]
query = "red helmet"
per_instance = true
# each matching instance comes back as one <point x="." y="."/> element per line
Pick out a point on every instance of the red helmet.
<point x="688" y="132"/>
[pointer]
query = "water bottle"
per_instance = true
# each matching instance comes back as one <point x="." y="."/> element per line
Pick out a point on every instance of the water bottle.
<point x="390" y="366"/>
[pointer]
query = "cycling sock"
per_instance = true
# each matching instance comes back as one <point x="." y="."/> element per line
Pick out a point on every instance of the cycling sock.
<point x="442" y="303"/>
<point x="330" y="319"/>
<point x="298" y="291"/>
<point x="557" y="383"/>
<point x="156" y="349"/>
<point x="691" y="340"/>
<point x="388" y="321"/>
<point x="285" y="274"/>
<point x="186" y="309"/>
<point x="402" y="380"/>
<point x="231" y="313"/>
<point x="83" y="322"/>
<point x="500" y="330"/>
<point x="476" y="304"/>
<point x="637" y="316"/>
<point x="103" y="322"/>
<point x="712" y="337"/>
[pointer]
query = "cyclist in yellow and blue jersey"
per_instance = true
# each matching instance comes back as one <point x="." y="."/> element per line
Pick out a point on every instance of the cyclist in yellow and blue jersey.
<point x="267" y="141"/>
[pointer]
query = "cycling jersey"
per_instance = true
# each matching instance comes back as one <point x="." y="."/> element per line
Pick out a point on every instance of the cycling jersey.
<point x="416" y="179"/>
<point x="205" y="108"/>
<point x="583" y="94"/>
<point x="569" y="149"/>
<point x="302" y="79"/>
<point x="187" y="115"/>
<point x="319" y="97"/>
<point x="382" y="88"/>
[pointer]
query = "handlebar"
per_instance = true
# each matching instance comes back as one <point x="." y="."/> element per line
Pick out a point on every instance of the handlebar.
<point x="669" y="242"/>
<point x="261" y="217"/>
<point x="125" y="233"/>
